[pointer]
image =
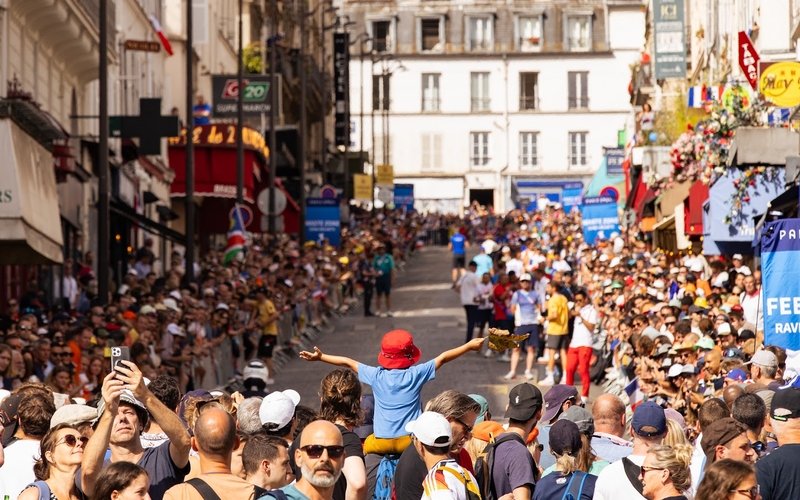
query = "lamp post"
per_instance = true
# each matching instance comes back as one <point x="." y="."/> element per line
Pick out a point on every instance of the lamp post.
<point x="273" y="33"/>
<point x="104" y="227"/>
<point x="325" y="93"/>
<point x="189" y="200"/>
<point x="240" y="115"/>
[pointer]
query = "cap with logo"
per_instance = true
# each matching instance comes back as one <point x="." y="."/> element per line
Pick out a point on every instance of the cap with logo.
<point x="737" y="375"/>
<point x="786" y="404"/>
<point x="524" y="401"/>
<point x="555" y="398"/>
<point x="432" y="429"/>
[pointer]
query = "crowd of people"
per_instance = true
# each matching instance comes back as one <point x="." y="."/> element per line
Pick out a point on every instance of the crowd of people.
<point x="692" y="404"/>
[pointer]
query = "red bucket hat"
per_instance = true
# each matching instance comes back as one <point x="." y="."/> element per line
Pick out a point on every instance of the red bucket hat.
<point x="398" y="350"/>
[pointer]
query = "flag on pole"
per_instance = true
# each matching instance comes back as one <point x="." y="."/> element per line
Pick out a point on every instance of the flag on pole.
<point x="635" y="395"/>
<point x="161" y="36"/>
<point x="236" y="241"/>
<point x="701" y="94"/>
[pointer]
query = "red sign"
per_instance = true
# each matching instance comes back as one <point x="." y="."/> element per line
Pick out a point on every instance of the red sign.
<point x="748" y="59"/>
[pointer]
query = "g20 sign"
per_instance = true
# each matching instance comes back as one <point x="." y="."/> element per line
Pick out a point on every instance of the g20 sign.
<point x="257" y="95"/>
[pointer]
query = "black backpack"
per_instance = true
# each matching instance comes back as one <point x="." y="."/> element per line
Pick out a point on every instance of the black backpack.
<point x="484" y="465"/>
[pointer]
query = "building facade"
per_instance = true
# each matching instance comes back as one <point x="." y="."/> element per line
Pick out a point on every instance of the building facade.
<point x="491" y="103"/>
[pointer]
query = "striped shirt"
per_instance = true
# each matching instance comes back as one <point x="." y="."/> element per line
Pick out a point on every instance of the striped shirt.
<point x="449" y="481"/>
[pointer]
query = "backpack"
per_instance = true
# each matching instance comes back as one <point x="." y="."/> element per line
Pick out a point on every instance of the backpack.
<point x="384" y="480"/>
<point x="208" y="493"/>
<point x="468" y="493"/>
<point x="571" y="494"/>
<point x="484" y="465"/>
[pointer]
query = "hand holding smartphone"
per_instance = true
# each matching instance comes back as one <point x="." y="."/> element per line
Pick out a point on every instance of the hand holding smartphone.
<point x="121" y="353"/>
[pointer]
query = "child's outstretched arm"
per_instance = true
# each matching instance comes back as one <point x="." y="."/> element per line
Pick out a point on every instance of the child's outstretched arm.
<point x="317" y="355"/>
<point x="448" y="356"/>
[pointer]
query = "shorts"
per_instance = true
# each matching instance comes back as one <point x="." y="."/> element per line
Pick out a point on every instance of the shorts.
<point x="557" y="342"/>
<point x="459" y="261"/>
<point x="383" y="285"/>
<point x="533" y="340"/>
<point x="266" y="344"/>
<point x="483" y="316"/>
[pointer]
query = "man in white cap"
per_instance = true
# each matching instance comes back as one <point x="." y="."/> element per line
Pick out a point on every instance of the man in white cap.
<point x="446" y="480"/>
<point x="764" y="369"/>
<point x="277" y="414"/>
<point x="738" y="265"/>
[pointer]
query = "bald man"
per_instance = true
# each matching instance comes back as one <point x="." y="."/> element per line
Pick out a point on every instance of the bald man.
<point x="320" y="456"/>
<point x="214" y="440"/>
<point x="712" y="376"/>
<point x="732" y="393"/>
<point x="608" y="412"/>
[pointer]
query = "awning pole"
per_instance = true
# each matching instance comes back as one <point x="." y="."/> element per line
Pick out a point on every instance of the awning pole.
<point x="189" y="200"/>
<point x="240" y="118"/>
<point x="103" y="229"/>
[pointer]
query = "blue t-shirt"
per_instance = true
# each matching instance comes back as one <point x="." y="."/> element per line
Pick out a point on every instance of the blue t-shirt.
<point x="202" y="120"/>
<point x="397" y="395"/>
<point x="458" y="241"/>
<point x="527" y="303"/>
<point x="484" y="264"/>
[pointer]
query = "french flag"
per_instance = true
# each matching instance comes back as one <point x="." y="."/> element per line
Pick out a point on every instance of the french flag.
<point x="635" y="395"/>
<point x="700" y="94"/>
<point x="161" y="36"/>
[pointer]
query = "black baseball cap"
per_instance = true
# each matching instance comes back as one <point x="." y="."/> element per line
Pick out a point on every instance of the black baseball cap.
<point x="786" y="404"/>
<point x="565" y="438"/>
<point x="524" y="401"/>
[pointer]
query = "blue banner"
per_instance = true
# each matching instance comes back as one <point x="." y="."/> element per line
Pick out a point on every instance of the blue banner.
<point x="780" y="251"/>
<point x="323" y="221"/>
<point x="571" y="195"/>
<point x="614" y="159"/>
<point x="404" y="197"/>
<point x="600" y="217"/>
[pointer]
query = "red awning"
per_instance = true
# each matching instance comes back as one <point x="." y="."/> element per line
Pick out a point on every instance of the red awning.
<point x="693" y="209"/>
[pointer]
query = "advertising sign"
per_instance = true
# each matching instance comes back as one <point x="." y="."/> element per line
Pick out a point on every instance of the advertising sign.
<point x="142" y="45"/>
<point x="323" y="221"/>
<point x="257" y="97"/>
<point x="614" y="159"/>
<point x="571" y="195"/>
<point x="600" y="217"/>
<point x="780" y="83"/>
<point x="670" y="39"/>
<point x="780" y="250"/>
<point x="341" y="86"/>
<point x="748" y="59"/>
<point x="362" y="187"/>
<point x="384" y="175"/>
<point x="404" y="197"/>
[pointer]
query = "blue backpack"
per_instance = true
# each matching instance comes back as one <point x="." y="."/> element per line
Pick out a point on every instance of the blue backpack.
<point x="574" y="492"/>
<point x="384" y="484"/>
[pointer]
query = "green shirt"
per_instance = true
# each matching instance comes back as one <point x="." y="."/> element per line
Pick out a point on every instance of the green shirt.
<point x="594" y="469"/>
<point x="292" y="493"/>
<point x="383" y="263"/>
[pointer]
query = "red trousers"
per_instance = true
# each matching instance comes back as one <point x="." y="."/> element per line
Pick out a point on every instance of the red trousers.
<point x="579" y="358"/>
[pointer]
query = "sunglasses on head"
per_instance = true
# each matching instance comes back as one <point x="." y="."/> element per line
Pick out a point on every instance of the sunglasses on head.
<point x="315" y="450"/>
<point x="72" y="440"/>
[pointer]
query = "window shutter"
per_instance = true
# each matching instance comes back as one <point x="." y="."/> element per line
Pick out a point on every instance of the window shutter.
<point x="376" y="92"/>
<point x="572" y="90"/>
<point x="437" y="151"/>
<point x="200" y="21"/>
<point x="584" y="88"/>
<point x="386" y="92"/>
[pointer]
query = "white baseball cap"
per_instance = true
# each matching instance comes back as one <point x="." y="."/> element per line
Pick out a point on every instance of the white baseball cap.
<point x="432" y="429"/>
<point x="724" y="329"/>
<point x="170" y="304"/>
<point x="175" y="294"/>
<point x="737" y="256"/>
<point x="675" y="370"/>
<point x="277" y="409"/>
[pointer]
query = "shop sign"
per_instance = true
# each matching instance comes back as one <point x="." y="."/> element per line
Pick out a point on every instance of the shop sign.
<point x="222" y="135"/>
<point x="780" y="83"/>
<point x="748" y="59"/>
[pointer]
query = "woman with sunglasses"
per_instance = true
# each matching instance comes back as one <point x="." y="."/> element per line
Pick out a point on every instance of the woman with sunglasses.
<point x="728" y="479"/>
<point x="61" y="455"/>
<point x="665" y="472"/>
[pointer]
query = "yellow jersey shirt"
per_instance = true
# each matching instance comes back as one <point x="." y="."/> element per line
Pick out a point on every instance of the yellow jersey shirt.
<point x="265" y="310"/>
<point x="558" y="315"/>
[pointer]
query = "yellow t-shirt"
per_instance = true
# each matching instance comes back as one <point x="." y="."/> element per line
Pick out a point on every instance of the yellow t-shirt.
<point x="558" y="312"/>
<point x="265" y="310"/>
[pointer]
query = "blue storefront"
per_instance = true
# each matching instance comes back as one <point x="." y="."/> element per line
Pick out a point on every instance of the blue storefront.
<point x="524" y="193"/>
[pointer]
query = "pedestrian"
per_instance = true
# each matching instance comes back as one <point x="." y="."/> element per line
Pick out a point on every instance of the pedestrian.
<point x="321" y="457"/>
<point x="579" y="353"/>
<point x="384" y="269"/>
<point x="557" y="329"/>
<point x="565" y="445"/>
<point x="467" y="287"/>
<point x="727" y="438"/>
<point x="278" y="414"/>
<point x="501" y="301"/>
<point x="365" y="275"/>
<point x="778" y="473"/>
<point x="268" y="322"/>
<point x="458" y="245"/>
<point x="665" y="472"/>
<point x="485" y="307"/>
<point x="557" y="400"/>
<point x="484" y="262"/>
<point x="446" y="479"/>
<point x="526" y="308"/>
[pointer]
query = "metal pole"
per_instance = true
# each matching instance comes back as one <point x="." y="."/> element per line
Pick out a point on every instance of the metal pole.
<point x="303" y="121"/>
<point x="372" y="125"/>
<point x="273" y="110"/>
<point x="189" y="147"/>
<point x="346" y="159"/>
<point x="361" y="109"/>
<point x="240" y="115"/>
<point x="323" y="146"/>
<point x="103" y="223"/>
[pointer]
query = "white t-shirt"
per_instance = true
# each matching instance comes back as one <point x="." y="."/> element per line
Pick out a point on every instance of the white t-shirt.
<point x="469" y="288"/>
<point x="562" y="266"/>
<point x="613" y="483"/>
<point x="484" y="292"/>
<point x="17" y="471"/>
<point x="582" y="336"/>
<point x="514" y="265"/>
<point x="751" y="309"/>
<point x="489" y="246"/>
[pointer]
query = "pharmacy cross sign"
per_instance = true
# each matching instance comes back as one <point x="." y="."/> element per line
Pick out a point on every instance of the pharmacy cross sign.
<point x="150" y="127"/>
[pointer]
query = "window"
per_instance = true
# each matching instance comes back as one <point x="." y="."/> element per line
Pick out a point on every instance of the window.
<point x="430" y="92"/>
<point x="382" y="34"/>
<point x="528" y="149"/>
<point x="528" y="91"/>
<point x="479" y="31"/>
<point x="579" y="33"/>
<point x="529" y="33"/>
<point x="578" y="89"/>
<point x="380" y="92"/>
<point x="431" y="152"/>
<point x="480" y="91"/>
<point x="430" y="37"/>
<point x="479" y="148"/>
<point x="577" y="149"/>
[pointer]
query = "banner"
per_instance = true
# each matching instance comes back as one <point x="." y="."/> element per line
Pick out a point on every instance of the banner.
<point x="778" y="83"/>
<point x="341" y="87"/>
<point x="384" y="175"/>
<point x="571" y="195"/>
<point x="404" y="197"/>
<point x="670" y="36"/>
<point x="614" y="159"/>
<point x="780" y="250"/>
<point x="748" y="59"/>
<point x="600" y="218"/>
<point x="362" y="187"/>
<point x="323" y="220"/>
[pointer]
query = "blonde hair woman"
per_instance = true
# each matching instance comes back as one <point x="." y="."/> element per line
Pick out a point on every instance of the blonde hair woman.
<point x="565" y="445"/>
<point x="665" y="472"/>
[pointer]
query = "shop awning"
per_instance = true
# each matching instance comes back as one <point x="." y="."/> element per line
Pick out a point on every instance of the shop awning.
<point x="132" y="215"/>
<point x="30" y="222"/>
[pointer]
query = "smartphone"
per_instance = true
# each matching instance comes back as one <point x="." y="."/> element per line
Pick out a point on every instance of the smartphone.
<point x="118" y="354"/>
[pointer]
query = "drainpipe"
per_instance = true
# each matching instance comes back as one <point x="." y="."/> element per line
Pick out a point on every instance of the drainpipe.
<point x="501" y="202"/>
<point x="4" y="41"/>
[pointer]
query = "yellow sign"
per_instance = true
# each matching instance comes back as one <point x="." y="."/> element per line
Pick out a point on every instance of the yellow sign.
<point x="362" y="187"/>
<point x="384" y="175"/>
<point x="780" y="82"/>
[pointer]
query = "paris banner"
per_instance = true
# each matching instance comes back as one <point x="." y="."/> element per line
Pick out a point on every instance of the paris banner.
<point x="780" y="254"/>
<point x="600" y="217"/>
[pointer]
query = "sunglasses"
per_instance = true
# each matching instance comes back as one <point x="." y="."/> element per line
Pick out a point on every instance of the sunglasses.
<point x="25" y="328"/>
<point x="669" y="323"/>
<point x="315" y="451"/>
<point x="752" y="492"/>
<point x="72" y="440"/>
<point x="466" y="427"/>
<point x="64" y="354"/>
